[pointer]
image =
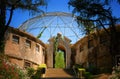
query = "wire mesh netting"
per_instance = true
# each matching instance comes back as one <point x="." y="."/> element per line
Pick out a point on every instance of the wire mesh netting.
<point x="48" y="25"/>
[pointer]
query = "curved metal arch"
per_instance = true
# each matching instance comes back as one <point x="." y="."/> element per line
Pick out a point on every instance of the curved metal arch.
<point x="24" y="27"/>
<point x="49" y="21"/>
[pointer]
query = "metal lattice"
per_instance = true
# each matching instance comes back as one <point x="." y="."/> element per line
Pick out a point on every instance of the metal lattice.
<point x="48" y="25"/>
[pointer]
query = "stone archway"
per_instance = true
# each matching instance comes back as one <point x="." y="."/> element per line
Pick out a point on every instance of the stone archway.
<point x="64" y="45"/>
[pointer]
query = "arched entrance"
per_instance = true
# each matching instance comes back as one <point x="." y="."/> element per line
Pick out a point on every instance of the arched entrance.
<point x="61" y="45"/>
<point x="59" y="58"/>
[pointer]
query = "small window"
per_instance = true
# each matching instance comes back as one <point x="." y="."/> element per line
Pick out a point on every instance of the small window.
<point x="90" y="43"/>
<point x="37" y="48"/>
<point x="81" y="48"/>
<point x="27" y="64"/>
<point x="15" y="39"/>
<point x="28" y="43"/>
<point x="43" y="51"/>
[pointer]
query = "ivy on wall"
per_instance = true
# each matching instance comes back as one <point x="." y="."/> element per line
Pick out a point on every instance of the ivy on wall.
<point x="58" y="54"/>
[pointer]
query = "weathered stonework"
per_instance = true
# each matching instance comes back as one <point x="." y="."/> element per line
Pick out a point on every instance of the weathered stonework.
<point x="95" y="50"/>
<point x="19" y="53"/>
<point x="63" y="43"/>
<point x="92" y="49"/>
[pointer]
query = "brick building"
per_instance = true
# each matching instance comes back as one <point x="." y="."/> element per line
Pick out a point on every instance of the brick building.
<point x="25" y="50"/>
<point x="94" y="49"/>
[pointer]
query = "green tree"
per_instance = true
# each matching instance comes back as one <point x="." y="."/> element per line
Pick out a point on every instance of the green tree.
<point x="97" y="14"/>
<point x="11" y="6"/>
<point x="59" y="60"/>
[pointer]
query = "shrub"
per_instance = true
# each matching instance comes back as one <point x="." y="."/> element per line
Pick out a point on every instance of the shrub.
<point x="59" y="60"/>
<point x="30" y="71"/>
<point x="37" y="74"/>
<point x="9" y="71"/>
<point x="93" y="69"/>
<point x="88" y="75"/>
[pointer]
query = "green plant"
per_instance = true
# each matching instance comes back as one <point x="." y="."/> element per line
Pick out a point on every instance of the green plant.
<point x="59" y="60"/>
<point x="9" y="71"/>
<point x="30" y="71"/>
<point x="37" y="74"/>
<point x="78" y="66"/>
<point x="22" y="74"/>
<point x="88" y="75"/>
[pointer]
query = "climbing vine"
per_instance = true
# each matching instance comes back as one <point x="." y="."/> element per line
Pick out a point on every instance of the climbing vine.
<point x="56" y="45"/>
<point x="58" y="54"/>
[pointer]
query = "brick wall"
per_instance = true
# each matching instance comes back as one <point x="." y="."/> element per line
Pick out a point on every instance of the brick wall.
<point x="20" y="51"/>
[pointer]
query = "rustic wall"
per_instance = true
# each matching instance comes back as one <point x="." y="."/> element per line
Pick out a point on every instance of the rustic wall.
<point x="18" y="62"/>
<point x="62" y="42"/>
<point x="93" y="49"/>
<point x="89" y="50"/>
<point x="81" y="52"/>
<point x="20" y="50"/>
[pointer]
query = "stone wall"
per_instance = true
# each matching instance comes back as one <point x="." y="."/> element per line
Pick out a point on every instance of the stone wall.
<point x="21" y="47"/>
<point x="81" y="52"/>
<point x="62" y="42"/>
<point x="94" y="49"/>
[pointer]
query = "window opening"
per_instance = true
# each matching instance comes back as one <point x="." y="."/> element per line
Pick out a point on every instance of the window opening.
<point x="15" y="39"/>
<point x="27" y="64"/>
<point x="37" y="48"/>
<point x="28" y="43"/>
<point x="81" y="48"/>
<point x="90" y="43"/>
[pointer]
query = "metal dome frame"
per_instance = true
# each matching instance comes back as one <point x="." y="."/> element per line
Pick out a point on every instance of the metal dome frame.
<point x="27" y="24"/>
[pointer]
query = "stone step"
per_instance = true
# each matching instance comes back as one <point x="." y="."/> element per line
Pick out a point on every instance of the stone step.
<point x="59" y="73"/>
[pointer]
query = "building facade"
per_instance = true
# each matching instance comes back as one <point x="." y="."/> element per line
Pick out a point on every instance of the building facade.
<point x="94" y="50"/>
<point x="23" y="49"/>
<point x="26" y="50"/>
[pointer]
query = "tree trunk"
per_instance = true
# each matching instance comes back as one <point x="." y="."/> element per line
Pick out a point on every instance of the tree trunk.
<point x="2" y="24"/>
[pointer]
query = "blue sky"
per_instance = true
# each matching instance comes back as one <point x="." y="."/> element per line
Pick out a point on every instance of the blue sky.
<point x="20" y="16"/>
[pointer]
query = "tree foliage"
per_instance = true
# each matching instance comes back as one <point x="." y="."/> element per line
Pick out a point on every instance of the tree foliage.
<point x="10" y="71"/>
<point x="97" y="14"/>
<point x="10" y="6"/>
<point x="93" y="13"/>
<point x="59" y="59"/>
